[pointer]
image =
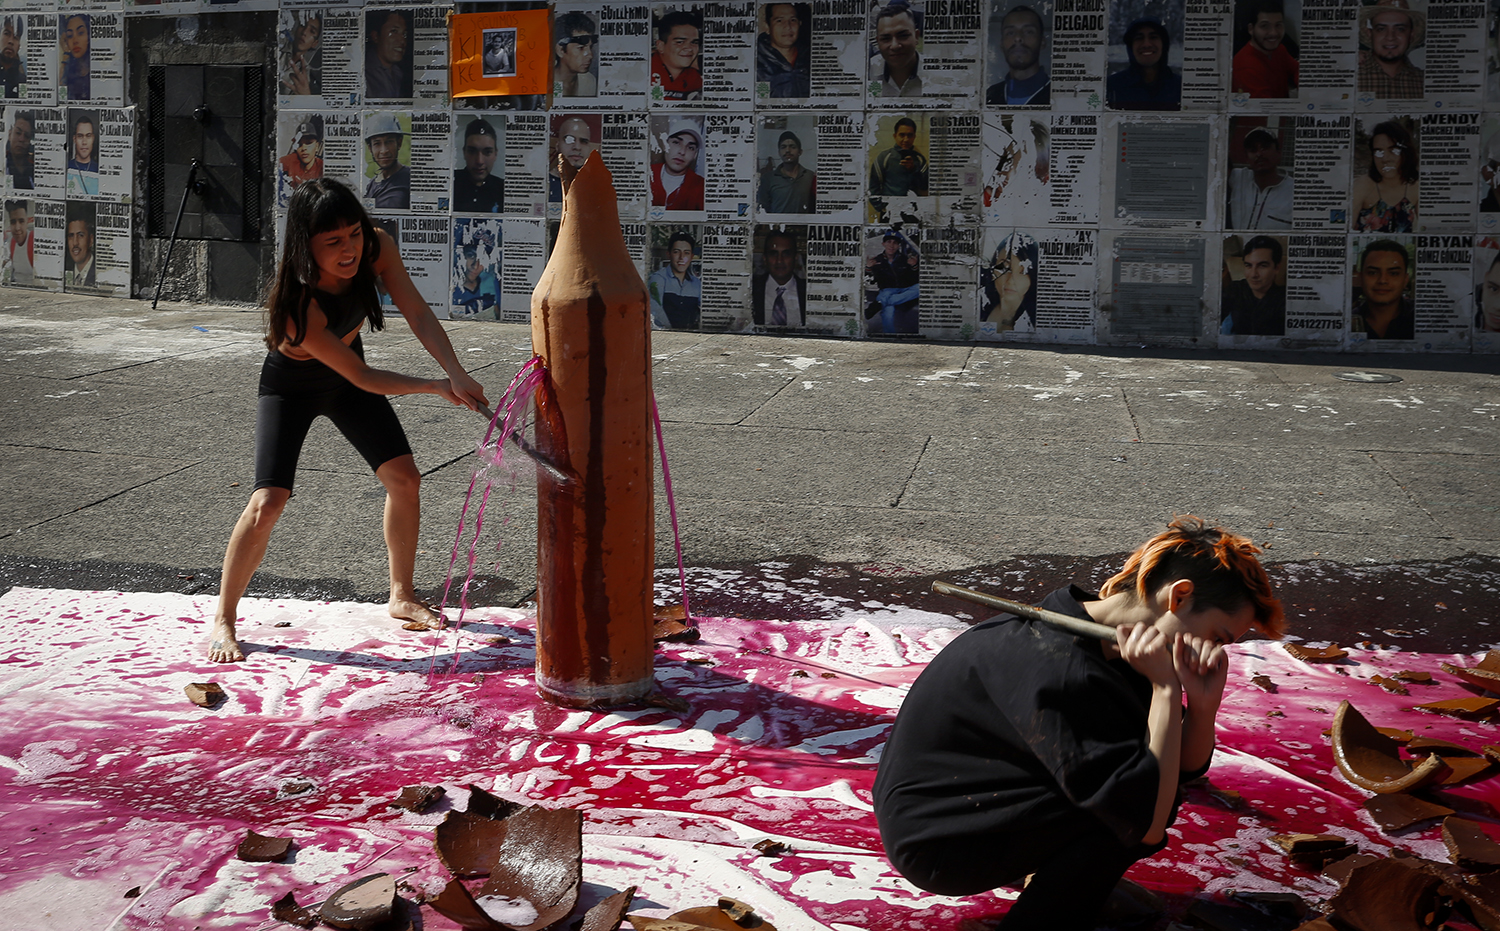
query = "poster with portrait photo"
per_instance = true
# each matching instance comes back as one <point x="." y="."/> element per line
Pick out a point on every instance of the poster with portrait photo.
<point x="1161" y="173"/>
<point x="91" y="58"/>
<point x="299" y="58"/>
<point x="1391" y="69"/>
<point x="116" y="148"/>
<point x="499" y="57"/>
<point x="783" y="52"/>
<point x="48" y="249"/>
<point x="299" y="152"/>
<point x="478" y="170"/>
<point x="1253" y="299"/>
<point x="674" y="279"/>
<point x="1383" y="290"/>
<point x="1018" y="55"/>
<point x="18" y="264"/>
<point x="1265" y="49"/>
<point x="727" y="58"/>
<point x="676" y="54"/>
<point x="388" y="55"/>
<point x="423" y="245"/>
<point x="1385" y="186"/>
<point x="601" y="56"/>
<point x="1017" y="169"/>
<point x="1145" y="55"/>
<point x="1261" y="183"/>
<point x="898" y="170"/>
<point x="677" y="159"/>
<point x="1486" y="337"/>
<point x="29" y="72"/>
<point x="385" y="166"/>
<point x="892" y="282"/>
<point x="475" y="268"/>
<point x="1450" y="152"/>
<point x="1154" y="289"/>
<point x="779" y="293"/>
<point x="786" y="154"/>
<point x="573" y="137"/>
<point x="1036" y="285"/>
<point x="96" y="253"/>
<point x="82" y="178"/>
<point x="933" y="55"/>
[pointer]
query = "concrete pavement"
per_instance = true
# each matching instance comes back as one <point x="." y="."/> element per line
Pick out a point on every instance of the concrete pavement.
<point x="126" y="441"/>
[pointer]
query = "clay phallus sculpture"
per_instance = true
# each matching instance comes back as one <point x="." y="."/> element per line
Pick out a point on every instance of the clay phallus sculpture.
<point x="1485" y="675"/>
<point x="596" y="520"/>
<point x="365" y="903"/>
<point x="1372" y="761"/>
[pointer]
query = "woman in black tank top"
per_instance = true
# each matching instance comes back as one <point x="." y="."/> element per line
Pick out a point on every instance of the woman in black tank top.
<point x="325" y="290"/>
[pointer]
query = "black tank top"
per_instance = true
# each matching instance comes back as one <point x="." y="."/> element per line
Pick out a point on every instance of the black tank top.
<point x="343" y="311"/>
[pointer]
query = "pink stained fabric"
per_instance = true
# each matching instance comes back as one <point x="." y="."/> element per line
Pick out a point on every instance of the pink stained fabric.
<point x="111" y="779"/>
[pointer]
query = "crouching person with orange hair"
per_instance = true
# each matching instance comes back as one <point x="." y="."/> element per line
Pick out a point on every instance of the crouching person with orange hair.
<point x="1024" y="750"/>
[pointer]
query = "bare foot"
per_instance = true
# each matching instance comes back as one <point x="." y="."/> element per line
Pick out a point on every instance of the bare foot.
<point x="222" y="645"/>
<point x="417" y="614"/>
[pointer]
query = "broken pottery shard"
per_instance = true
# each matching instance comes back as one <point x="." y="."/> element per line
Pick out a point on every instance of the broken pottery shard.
<point x="1399" y="811"/>
<point x="204" y="694"/>
<point x="1440" y="747"/>
<point x="771" y="848"/>
<point x="418" y="798"/>
<point x="642" y="923"/>
<point x="672" y="612"/>
<point x="1372" y="761"/>
<point x="540" y="863"/>
<point x="1390" y="685"/>
<point x="1339" y="870"/>
<point x="1481" y="676"/>
<point x="1408" y="675"/>
<point x="1469" y="846"/>
<point x="607" y="915"/>
<point x="591" y="327"/>
<point x="1229" y="798"/>
<point x="1465" y="769"/>
<point x="1328" y="654"/>
<point x="467" y="844"/>
<point x="1395" y="733"/>
<point x="719" y="919"/>
<point x="672" y="630"/>
<point x="1387" y="895"/>
<point x="1313" y="851"/>
<point x="1462" y="707"/>
<point x="1482" y="893"/>
<point x="1264" y="683"/>
<point x="134" y="892"/>
<point x="286" y="909"/>
<point x="456" y="904"/>
<point x="364" y="903"/>
<point x="487" y="805"/>
<point x="257" y="848"/>
<point x="741" y="913"/>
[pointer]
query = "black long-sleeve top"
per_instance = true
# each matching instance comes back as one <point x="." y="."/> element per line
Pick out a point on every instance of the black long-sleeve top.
<point x="1013" y="727"/>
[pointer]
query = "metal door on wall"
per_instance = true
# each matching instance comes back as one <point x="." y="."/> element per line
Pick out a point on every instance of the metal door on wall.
<point x="212" y="114"/>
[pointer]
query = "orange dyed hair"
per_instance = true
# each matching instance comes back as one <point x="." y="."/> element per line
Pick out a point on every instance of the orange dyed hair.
<point x="1221" y="565"/>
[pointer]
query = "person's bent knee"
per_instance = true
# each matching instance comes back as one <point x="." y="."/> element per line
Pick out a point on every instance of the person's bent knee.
<point x="400" y="477"/>
<point x="266" y="505"/>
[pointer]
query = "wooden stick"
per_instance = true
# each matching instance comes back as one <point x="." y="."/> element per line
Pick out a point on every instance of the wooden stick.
<point x="1066" y="622"/>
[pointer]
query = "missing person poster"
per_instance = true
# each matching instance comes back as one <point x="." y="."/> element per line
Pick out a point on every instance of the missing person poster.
<point x="1316" y="285"/>
<point x="1144" y="68"/>
<point x="674" y="279"/>
<point x="1261" y="186"/>
<point x="1450" y="150"/>
<point x="36" y="58"/>
<point x="1016" y="169"/>
<point x="834" y="259"/>
<point x="838" y="55"/>
<point x="601" y="56"/>
<point x="1322" y="170"/>
<point x="1080" y="29"/>
<point x="1018" y="55"/>
<point x="91" y="52"/>
<point x="948" y="268"/>
<point x="476" y="266"/>
<point x="1265" y="42"/>
<point x="1161" y="174"/>
<point x="928" y="49"/>
<point x="1154" y="288"/>
<point x="1074" y="142"/>
<point x="1410" y="292"/>
<point x="423" y="244"/>
<point x="500" y="53"/>
<point x="839" y="166"/>
<point x="49" y="249"/>
<point x="429" y="85"/>
<point x="25" y="265"/>
<point x="724" y="250"/>
<point x="97" y="248"/>
<point x="525" y="258"/>
<point x="1455" y="53"/>
<point x="728" y="144"/>
<point x="385" y="168"/>
<point x="49" y="150"/>
<point x="1445" y="293"/>
<point x="431" y="153"/>
<point x="727" y="57"/>
<point x="1205" y="50"/>
<point x="1385" y="193"/>
<point x="525" y="158"/>
<point x="115" y="142"/>
<point x="787" y="150"/>
<point x="1486" y="336"/>
<point x="1037" y="285"/>
<point x="1253" y="296"/>
<point x="343" y="146"/>
<point x="1328" y="51"/>
<point x="892" y="281"/>
<point x="319" y="57"/>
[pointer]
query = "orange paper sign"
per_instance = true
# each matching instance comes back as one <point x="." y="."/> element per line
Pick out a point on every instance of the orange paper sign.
<point x="499" y="53"/>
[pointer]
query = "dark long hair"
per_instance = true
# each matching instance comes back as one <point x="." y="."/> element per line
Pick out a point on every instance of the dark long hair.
<point x="1398" y="135"/>
<point x="318" y="206"/>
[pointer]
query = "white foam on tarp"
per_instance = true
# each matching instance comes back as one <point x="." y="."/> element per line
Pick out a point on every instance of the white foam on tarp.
<point x="514" y="912"/>
<point x="839" y="791"/>
<point x="41" y="760"/>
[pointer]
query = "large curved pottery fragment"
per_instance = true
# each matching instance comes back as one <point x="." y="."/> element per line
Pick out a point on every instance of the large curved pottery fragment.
<point x="1372" y="761"/>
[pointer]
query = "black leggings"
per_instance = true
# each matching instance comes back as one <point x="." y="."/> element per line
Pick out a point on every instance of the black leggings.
<point x="293" y="392"/>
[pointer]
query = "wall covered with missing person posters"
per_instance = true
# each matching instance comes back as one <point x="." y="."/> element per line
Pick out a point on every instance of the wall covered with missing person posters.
<point x="1239" y="173"/>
